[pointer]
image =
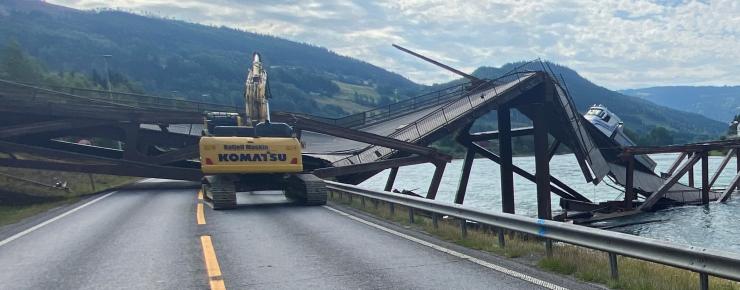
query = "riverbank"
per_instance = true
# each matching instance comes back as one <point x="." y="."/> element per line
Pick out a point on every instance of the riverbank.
<point x="27" y="192"/>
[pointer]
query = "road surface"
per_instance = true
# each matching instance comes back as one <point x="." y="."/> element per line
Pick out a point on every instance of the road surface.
<point x="152" y="239"/>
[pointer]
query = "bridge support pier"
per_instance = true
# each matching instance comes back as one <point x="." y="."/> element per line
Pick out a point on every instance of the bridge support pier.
<point x="391" y="179"/>
<point x="463" y="185"/>
<point x="704" y="177"/>
<point x="436" y="179"/>
<point x="506" y="163"/>
<point x="542" y="162"/>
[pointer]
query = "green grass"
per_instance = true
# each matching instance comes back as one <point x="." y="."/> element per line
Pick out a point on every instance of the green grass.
<point x="347" y="91"/>
<point x="21" y="199"/>
<point x="10" y="214"/>
<point x="581" y="263"/>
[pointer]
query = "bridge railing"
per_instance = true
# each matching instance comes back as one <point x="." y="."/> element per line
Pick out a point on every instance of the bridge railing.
<point x="451" y="111"/>
<point x="69" y="95"/>
<point x="701" y="260"/>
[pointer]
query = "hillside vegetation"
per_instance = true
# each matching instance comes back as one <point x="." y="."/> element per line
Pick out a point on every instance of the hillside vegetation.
<point x="718" y="103"/>
<point x="169" y="57"/>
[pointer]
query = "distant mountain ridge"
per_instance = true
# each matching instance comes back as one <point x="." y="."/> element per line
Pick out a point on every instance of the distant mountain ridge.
<point x="720" y="103"/>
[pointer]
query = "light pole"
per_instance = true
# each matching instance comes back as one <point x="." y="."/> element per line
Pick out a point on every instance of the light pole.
<point x="107" y="73"/>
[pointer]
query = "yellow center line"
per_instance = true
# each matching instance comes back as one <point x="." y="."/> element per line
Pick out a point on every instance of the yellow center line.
<point x="200" y="195"/>
<point x="199" y="215"/>
<point x="214" y="271"/>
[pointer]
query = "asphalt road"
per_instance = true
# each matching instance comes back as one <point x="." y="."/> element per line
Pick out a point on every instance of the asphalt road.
<point x="150" y="239"/>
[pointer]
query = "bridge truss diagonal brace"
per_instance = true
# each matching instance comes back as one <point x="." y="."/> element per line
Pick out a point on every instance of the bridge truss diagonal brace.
<point x="663" y="189"/>
<point x="92" y="164"/>
<point x="48" y="126"/>
<point x="307" y="124"/>
<point x="558" y="187"/>
<point x="371" y="166"/>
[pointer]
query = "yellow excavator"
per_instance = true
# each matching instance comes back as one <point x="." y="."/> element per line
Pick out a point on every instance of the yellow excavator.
<point x="246" y="152"/>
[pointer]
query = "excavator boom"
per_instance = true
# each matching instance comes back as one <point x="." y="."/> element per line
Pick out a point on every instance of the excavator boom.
<point x="257" y="108"/>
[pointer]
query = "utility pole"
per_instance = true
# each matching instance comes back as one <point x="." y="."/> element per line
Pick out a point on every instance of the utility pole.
<point x="107" y="73"/>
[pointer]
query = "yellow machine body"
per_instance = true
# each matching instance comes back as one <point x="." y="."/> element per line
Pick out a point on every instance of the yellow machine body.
<point x="245" y="155"/>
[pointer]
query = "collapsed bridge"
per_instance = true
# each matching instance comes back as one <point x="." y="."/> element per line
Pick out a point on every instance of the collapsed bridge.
<point x="158" y="137"/>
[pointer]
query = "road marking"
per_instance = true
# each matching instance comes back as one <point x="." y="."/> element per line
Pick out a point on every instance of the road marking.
<point x="200" y="195"/>
<point x="199" y="215"/>
<point x="214" y="271"/>
<point x="454" y="253"/>
<point x="38" y="226"/>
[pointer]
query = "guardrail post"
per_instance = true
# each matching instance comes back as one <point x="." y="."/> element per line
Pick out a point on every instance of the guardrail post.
<point x="613" y="266"/>
<point x="392" y="208"/>
<point x="375" y="204"/>
<point x="435" y="220"/>
<point x="501" y="238"/>
<point x="548" y="248"/>
<point x="463" y="228"/>
<point x="411" y="215"/>
<point x="703" y="281"/>
<point x="362" y="201"/>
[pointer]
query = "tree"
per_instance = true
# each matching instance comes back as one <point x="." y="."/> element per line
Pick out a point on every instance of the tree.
<point x="16" y="65"/>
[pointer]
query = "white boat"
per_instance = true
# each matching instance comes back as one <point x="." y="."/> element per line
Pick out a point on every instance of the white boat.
<point x="612" y="127"/>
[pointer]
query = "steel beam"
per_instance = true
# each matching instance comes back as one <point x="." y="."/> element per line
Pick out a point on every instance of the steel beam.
<point x="542" y="162"/>
<point x="391" y="179"/>
<point x="730" y="188"/>
<point x="490" y="135"/>
<point x="629" y="188"/>
<point x="462" y="186"/>
<point x="439" y="170"/>
<point x="691" y="173"/>
<point x="307" y="124"/>
<point x="185" y="153"/>
<point x="651" y="200"/>
<point x="523" y="173"/>
<point x="370" y="166"/>
<point x="506" y="163"/>
<point x="721" y="167"/>
<point x="122" y="168"/>
<point x="676" y="163"/>
<point x="48" y="126"/>
<point x="553" y="148"/>
<point x="704" y="177"/>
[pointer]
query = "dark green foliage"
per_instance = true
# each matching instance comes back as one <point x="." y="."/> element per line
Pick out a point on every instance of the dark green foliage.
<point x="198" y="62"/>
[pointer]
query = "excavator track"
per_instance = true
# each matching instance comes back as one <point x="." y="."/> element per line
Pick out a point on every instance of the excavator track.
<point x="306" y="189"/>
<point x="221" y="192"/>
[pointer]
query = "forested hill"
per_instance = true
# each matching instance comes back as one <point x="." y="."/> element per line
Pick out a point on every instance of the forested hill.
<point x="715" y="102"/>
<point x="176" y="58"/>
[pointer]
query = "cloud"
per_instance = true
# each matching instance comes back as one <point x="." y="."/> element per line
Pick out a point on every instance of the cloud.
<point x="619" y="44"/>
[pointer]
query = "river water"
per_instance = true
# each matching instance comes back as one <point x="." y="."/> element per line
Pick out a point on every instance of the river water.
<point x="715" y="226"/>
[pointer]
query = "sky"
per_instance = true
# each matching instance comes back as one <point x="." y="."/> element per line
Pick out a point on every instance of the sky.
<point x="616" y="44"/>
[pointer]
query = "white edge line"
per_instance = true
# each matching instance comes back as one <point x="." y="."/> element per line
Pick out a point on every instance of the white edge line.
<point x="454" y="253"/>
<point x="38" y="226"/>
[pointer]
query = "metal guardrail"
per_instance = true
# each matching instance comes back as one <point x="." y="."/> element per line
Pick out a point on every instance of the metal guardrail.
<point x="701" y="260"/>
